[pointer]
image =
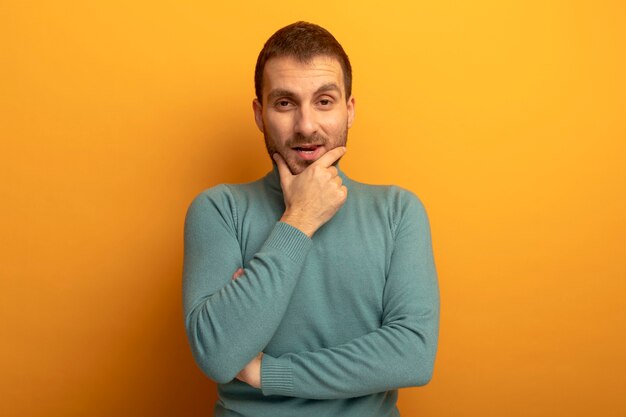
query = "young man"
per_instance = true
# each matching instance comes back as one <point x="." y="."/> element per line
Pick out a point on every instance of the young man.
<point x="307" y="293"/>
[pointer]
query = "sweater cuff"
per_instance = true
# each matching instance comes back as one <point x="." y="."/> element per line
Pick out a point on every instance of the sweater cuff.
<point x="276" y="376"/>
<point x="291" y="240"/>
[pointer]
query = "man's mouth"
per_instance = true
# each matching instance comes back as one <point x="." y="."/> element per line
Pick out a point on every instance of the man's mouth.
<point x="308" y="152"/>
<point x="306" y="148"/>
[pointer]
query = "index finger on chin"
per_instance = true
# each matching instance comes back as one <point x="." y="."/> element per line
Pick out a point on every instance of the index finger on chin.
<point x="331" y="156"/>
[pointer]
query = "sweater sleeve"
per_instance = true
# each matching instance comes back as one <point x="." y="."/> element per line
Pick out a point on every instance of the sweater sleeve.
<point x="228" y="322"/>
<point x="400" y="353"/>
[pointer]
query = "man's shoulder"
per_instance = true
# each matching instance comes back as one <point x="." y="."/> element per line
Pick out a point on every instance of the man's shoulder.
<point x="229" y="196"/>
<point x="397" y="204"/>
<point x="392" y="194"/>
<point x="231" y="190"/>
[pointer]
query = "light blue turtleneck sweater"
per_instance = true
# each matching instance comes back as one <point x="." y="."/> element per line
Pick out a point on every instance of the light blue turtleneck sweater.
<point x="344" y="319"/>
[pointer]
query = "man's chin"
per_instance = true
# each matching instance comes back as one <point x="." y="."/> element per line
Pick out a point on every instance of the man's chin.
<point x="296" y="167"/>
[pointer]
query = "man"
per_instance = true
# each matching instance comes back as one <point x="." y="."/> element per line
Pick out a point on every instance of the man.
<point x="307" y="293"/>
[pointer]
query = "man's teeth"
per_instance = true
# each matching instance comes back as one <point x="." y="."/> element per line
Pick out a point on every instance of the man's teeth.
<point x="306" y="150"/>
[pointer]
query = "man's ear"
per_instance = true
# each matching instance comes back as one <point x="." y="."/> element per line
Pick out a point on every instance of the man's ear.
<point x="257" y="107"/>
<point x="351" y="110"/>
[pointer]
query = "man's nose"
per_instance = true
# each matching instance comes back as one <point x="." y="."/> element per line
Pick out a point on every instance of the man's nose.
<point x="306" y="123"/>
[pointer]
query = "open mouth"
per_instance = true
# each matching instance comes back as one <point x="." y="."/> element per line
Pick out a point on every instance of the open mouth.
<point x="306" y="149"/>
<point x="308" y="152"/>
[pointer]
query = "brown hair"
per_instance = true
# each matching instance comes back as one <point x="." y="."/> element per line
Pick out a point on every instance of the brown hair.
<point x="302" y="41"/>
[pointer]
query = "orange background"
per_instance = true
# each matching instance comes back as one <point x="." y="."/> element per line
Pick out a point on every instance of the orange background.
<point x="506" y="117"/>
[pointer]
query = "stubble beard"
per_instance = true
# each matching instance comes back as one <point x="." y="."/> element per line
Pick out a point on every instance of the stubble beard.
<point x="299" y="139"/>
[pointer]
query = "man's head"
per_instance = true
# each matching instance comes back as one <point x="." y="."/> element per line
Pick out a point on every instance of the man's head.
<point x="304" y="105"/>
<point x="302" y="41"/>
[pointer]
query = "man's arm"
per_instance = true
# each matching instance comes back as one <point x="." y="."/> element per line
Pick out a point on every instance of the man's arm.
<point x="400" y="353"/>
<point x="229" y="321"/>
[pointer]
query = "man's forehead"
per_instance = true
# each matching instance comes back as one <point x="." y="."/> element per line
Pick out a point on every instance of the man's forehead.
<point x="290" y="73"/>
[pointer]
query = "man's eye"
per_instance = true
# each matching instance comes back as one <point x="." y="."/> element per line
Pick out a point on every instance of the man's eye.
<point x="283" y="103"/>
<point x="325" y="102"/>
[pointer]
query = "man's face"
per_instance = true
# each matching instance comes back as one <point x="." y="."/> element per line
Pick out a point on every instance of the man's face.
<point x="304" y="113"/>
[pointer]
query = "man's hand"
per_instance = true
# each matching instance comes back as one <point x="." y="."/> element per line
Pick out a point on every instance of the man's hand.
<point x="251" y="374"/>
<point x="314" y="196"/>
<point x="238" y="273"/>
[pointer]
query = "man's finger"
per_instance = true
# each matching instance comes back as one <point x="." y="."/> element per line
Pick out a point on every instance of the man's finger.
<point x="330" y="157"/>
<point x="237" y="274"/>
<point x="283" y="169"/>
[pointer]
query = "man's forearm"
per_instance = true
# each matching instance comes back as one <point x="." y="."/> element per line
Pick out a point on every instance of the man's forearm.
<point x="388" y="358"/>
<point x="399" y="353"/>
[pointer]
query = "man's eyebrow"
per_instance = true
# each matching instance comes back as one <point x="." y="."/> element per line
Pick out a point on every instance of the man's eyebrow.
<point x="328" y="87"/>
<point x="281" y="92"/>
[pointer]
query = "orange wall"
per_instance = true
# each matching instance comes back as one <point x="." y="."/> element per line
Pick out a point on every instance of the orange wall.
<point x="506" y="117"/>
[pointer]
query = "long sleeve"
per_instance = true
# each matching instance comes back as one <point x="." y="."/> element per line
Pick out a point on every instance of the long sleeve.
<point x="398" y="354"/>
<point x="228" y="321"/>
